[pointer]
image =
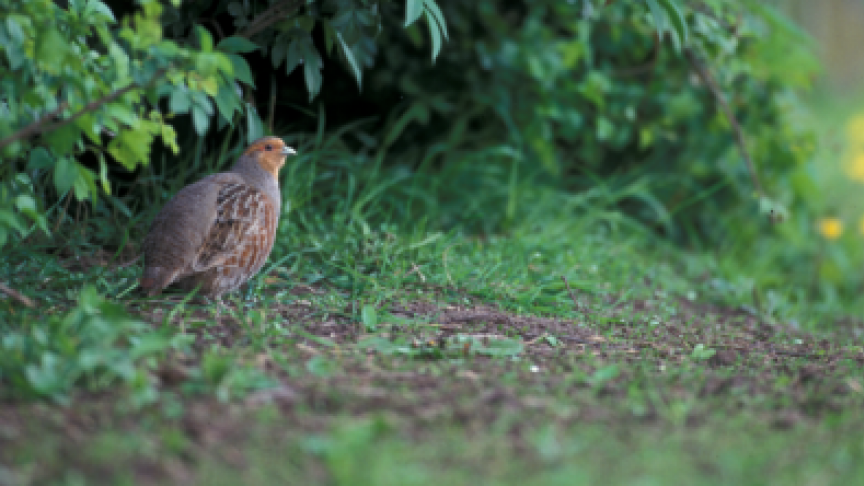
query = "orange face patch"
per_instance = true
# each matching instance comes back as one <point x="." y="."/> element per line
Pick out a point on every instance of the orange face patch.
<point x="268" y="154"/>
<point x="266" y="144"/>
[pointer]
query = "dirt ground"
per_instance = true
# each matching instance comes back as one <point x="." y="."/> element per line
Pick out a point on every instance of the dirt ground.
<point x="568" y="372"/>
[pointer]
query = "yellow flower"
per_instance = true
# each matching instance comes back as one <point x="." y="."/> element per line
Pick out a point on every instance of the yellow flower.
<point x="855" y="129"/>
<point x="855" y="166"/>
<point x="830" y="228"/>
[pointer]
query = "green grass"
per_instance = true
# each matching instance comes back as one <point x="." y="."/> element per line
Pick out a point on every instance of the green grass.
<point x="646" y="402"/>
<point x="406" y="331"/>
<point x="729" y="452"/>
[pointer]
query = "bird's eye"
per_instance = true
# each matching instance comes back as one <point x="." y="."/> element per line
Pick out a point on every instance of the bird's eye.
<point x="268" y="147"/>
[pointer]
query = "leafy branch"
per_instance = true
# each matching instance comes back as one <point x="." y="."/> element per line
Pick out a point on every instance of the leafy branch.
<point x="278" y="11"/>
<point x="43" y="125"/>
<point x="16" y="295"/>
<point x="706" y="77"/>
<point x="35" y="127"/>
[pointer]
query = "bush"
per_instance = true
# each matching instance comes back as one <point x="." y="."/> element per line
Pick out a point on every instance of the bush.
<point x="526" y="99"/>
<point x="95" y="346"/>
<point x="526" y="96"/>
<point x="82" y="91"/>
<point x="564" y="95"/>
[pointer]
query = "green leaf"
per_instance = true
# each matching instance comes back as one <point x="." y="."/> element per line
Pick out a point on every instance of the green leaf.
<point x="329" y="38"/>
<point x="103" y="175"/>
<point x="679" y="23"/>
<point x="180" y="101"/>
<point x="13" y="25"/>
<point x="235" y="45"/>
<point x="51" y="50"/>
<point x="25" y="203"/>
<point x="169" y="137"/>
<point x="209" y="85"/>
<point x="431" y="6"/>
<point x="605" y="129"/>
<point x="304" y="22"/>
<point x="131" y="147"/>
<point x="223" y="64"/>
<point x="84" y="185"/>
<point x="149" y="344"/>
<point x="241" y="69"/>
<point x="413" y="10"/>
<point x="123" y="112"/>
<point x="366" y="17"/>
<point x="278" y="50"/>
<point x="65" y="174"/>
<point x="677" y="17"/>
<point x="63" y="139"/>
<point x="605" y="374"/>
<point x="295" y="54"/>
<point x="40" y="159"/>
<point x="200" y="119"/>
<point x="312" y="70"/>
<point x="435" y="33"/>
<point x="9" y="219"/>
<point x="552" y="341"/>
<point x="201" y="100"/>
<point x="659" y="18"/>
<point x="87" y="123"/>
<point x="254" y="126"/>
<point x="774" y="210"/>
<point x="45" y="378"/>
<point x="205" y="39"/>
<point x="701" y="352"/>
<point x="208" y="64"/>
<point x="95" y="9"/>
<point x="369" y="318"/>
<point x="352" y="61"/>
<point x="227" y="101"/>
<point x="236" y="9"/>
<point x="500" y="348"/>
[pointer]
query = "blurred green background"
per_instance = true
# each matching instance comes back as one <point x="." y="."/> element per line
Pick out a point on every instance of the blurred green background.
<point x="835" y="111"/>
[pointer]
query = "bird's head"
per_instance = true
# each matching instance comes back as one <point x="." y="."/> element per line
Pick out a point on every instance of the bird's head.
<point x="270" y="153"/>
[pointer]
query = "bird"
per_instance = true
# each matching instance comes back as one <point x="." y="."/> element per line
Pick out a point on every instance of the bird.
<point x="216" y="234"/>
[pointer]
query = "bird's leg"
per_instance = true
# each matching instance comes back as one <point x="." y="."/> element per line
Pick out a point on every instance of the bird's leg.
<point x="219" y="305"/>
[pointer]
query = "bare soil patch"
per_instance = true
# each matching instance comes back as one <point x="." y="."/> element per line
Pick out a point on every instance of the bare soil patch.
<point x="624" y="368"/>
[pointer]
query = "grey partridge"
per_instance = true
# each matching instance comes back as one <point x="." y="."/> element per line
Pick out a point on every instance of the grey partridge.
<point x="217" y="233"/>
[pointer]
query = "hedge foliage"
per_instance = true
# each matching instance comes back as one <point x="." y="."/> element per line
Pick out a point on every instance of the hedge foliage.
<point x="517" y="97"/>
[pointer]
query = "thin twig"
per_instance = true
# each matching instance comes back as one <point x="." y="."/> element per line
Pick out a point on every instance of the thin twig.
<point x="308" y="349"/>
<point x="709" y="81"/>
<point x="42" y="125"/>
<point x="415" y="269"/>
<point x="275" y="13"/>
<point x="33" y="128"/>
<point x="572" y="294"/>
<point x="215" y="25"/>
<point x="16" y="295"/>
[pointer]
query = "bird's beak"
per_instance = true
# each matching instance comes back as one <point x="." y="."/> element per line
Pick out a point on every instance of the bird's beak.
<point x="288" y="151"/>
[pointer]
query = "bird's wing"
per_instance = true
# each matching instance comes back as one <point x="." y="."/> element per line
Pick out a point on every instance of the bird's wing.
<point x="244" y="225"/>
